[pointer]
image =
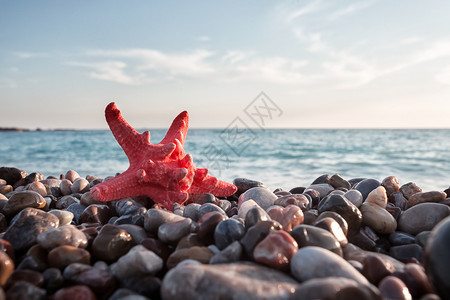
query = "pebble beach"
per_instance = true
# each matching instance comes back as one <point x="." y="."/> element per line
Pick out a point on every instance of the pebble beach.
<point x="333" y="238"/>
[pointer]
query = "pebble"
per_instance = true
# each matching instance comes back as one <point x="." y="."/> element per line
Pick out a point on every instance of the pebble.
<point x="111" y="243"/>
<point x="256" y="234"/>
<point x="192" y="211"/>
<point x="323" y="189"/>
<point x="436" y="260"/>
<point x="25" y="290"/>
<point x="200" y="254"/>
<point x="53" y="279"/>
<point x="422" y="238"/>
<point x="38" y="187"/>
<point x="367" y="185"/>
<point x="228" y="231"/>
<point x="244" y="184"/>
<point x="307" y="235"/>
<point x="35" y="259"/>
<point x="75" y="292"/>
<point x="232" y="253"/>
<point x="308" y="263"/>
<point x="6" y="267"/>
<point x="148" y="286"/>
<point x="245" y="207"/>
<point x="379" y="219"/>
<point x="391" y="184"/>
<point x="64" y="217"/>
<point x="289" y="216"/>
<point x="156" y="217"/>
<point x="405" y="252"/>
<point x="355" y="197"/>
<point x="207" y="226"/>
<point x="325" y="178"/>
<point x="65" y="202"/>
<point x="335" y="216"/>
<point x="398" y="238"/>
<point x="76" y="209"/>
<point x="254" y="215"/>
<point x="343" y="207"/>
<point x="64" y="187"/>
<point x="423" y="197"/>
<point x="209" y="207"/>
<point x="62" y="256"/>
<point x="375" y="269"/>
<point x="171" y="233"/>
<point x="261" y="195"/>
<point x="22" y="200"/>
<point x="139" y="261"/>
<point x="334" y="228"/>
<point x="299" y="200"/>
<point x="71" y="175"/>
<point x="323" y="288"/>
<point x="276" y="250"/>
<point x="393" y="288"/>
<point x="62" y="235"/>
<point x="96" y="213"/>
<point x="243" y="280"/>
<point x="409" y="189"/>
<point x="137" y="232"/>
<point x="378" y="197"/>
<point x="27" y="225"/>
<point x="422" y="217"/>
<point x="12" y="175"/>
<point x="202" y="198"/>
<point x="338" y="182"/>
<point x="99" y="280"/>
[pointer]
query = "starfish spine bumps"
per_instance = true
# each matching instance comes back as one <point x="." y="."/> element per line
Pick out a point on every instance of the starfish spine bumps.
<point x="163" y="171"/>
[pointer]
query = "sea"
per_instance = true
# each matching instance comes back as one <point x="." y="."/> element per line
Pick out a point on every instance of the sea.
<point x="279" y="158"/>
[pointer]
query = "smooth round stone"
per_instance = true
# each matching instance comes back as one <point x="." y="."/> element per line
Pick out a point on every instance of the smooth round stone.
<point x="207" y="226"/>
<point x="139" y="261"/>
<point x="254" y="215"/>
<point x="136" y="218"/>
<point x="343" y="207"/>
<point x="209" y="207"/>
<point x="53" y="279"/>
<point x="35" y="259"/>
<point x="224" y="281"/>
<point x="25" y="290"/>
<point x="256" y="234"/>
<point x="80" y="185"/>
<point x="362" y="291"/>
<point x="127" y="206"/>
<point x="5" y="189"/>
<point x="202" y="198"/>
<point x="289" y="216"/>
<point x="391" y="185"/>
<point x="335" y="216"/>
<point x="352" y="252"/>
<point x="299" y="200"/>
<point x="171" y="233"/>
<point x="422" y="217"/>
<point x="75" y="292"/>
<point x="436" y="259"/>
<point x="72" y="175"/>
<point x="6" y="267"/>
<point x="51" y="182"/>
<point x="245" y="207"/>
<point x="156" y="217"/>
<point x="63" y="235"/>
<point x="323" y="189"/>
<point x="313" y="196"/>
<point x="422" y="238"/>
<point x="22" y="200"/>
<point x="192" y="211"/>
<point x="148" y="286"/>
<point x="225" y="205"/>
<point x="334" y="228"/>
<point x="322" y="288"/>
<point x="405" y="252"/>
<point x="65" y="217"/>
<point x="12" y="175"/>
<point x="276" y="250"/>
<point x="137" y="232"/>
<point x="111" y="243"/>
<point x="96" y="213"/>
<point x="232" y="253"/>
<point x="307" y="235"/>
<point x="398" y="238"/>
<point x="64" y="186"/>
<point x="99" y="280"/>
<point x="126" y="294"/>
<point x="62" y="256"/>
<point x="200" y="254"/>
<point x="338" y="182"/>
<point x="409" y="189"/>
<point x="415" y="279"/>
<point x="30" y="276"/>
<point x="375" y="269"/>
<point x="379" y="219"/>
<point x="76" y="209"/>
<point x="393" y="288"/>
<point x="315" y="262"/>
<point x="393" y="210"/>
<point x="87" y="199"/>
<point x="261" y="195"/>
<point x="366" y="186"/>
<point x="154" y="245"/>
<point x="400" y="201"/>
<point x="27" y="225"/>
<point x="244" y="184"/>
<point x="228" y="231"/>
<point x="65" y="202"/>
<point x="38" y="187"/>
<point x="423" y="197"/>
<point x="310" y="216"/>
<point x="191" y="240"/>
<point x="325" y="178"/>
<point x="378" y="196"/>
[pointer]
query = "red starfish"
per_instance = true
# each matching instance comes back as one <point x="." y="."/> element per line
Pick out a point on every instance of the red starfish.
<point x="161" y="171"/>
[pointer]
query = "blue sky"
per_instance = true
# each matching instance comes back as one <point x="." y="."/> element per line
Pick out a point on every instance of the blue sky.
<point x="325" y="64"/>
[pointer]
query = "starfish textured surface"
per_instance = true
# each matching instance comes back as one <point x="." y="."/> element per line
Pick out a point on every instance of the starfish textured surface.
<point x="163" y="171"/>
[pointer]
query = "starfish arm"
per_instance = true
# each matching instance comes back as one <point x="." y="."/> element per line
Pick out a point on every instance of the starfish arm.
<point x="128" y="138"/>
<point x="178" y="129"/>
<point x="121" y="186"/>
<point x="209" y="184"/>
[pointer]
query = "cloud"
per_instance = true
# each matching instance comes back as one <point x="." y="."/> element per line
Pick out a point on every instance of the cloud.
<point x="352" y="8"/>
<point x="26" y="55"/>
<point x="309" y="8"/>
<point x="203" y="38"/>
<point x="8" y="83"/>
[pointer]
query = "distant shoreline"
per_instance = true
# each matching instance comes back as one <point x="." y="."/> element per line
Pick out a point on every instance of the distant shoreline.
<point x="17" y="129"/>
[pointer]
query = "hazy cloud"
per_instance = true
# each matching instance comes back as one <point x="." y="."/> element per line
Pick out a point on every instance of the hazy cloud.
<point x="8" y="83"/>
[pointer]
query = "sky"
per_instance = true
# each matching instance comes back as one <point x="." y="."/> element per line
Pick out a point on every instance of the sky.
<point x="321" y="64"/>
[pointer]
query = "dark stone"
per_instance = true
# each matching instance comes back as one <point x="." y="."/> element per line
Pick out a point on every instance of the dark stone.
<point x="375" y="269"/>
<point x="337" y="217"/>
<point x="325" y="178"/>
<point x="343" y="207"/>
<point x="310" y="216"/>
<point x="409" y="189"/>
<point x="12" y="175"/>
<point x="96" y="213"/>
<point x="25" y="290"/>
<point x="366" y="186"/>
<point x="255" y="215"/>
<point x="398" y="238"/>
<point x="256" y="234"/>
<point x="338" y="182"/>
<point x="299" y="200"/>
<point x="297" y="190"/>
<point x="405" y="252"/>
<point x="209" y="207"/>
<point x="53" y="279"/>
<point x="30" y="276"/>
<point x="77" y="209"/>
<point x="228" y="231"/>
<point x="111" y="243"/>
<point x="207" y="225"/>
<point x="307" y="235"/>
<point x="202" y="198"/>
<point x="244" y="184"/>
<point x="148" y="286"/>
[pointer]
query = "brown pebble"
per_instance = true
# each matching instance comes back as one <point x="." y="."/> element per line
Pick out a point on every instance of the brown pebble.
<point x="393" y="288"/>
<point x="200" y="254"/>
<point x="409" y="189"/>
<point x="391" y="185"/>
<point x="433" y="196"/>
<point x="62" y="256"/>
<point x="72" y="175"/>
<point x="276" y="250"/>
<point x="75" y="292"/>
<point x="6" y="267"/>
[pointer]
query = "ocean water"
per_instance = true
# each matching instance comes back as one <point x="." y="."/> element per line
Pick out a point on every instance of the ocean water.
<point x="283" y="158"/>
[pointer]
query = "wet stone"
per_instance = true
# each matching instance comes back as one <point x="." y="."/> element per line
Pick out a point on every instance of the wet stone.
<point x="27" y="225"/>
<point x="65" y="217"/>
<point x="334" y="228"/>
<point x="209" y="207"/>
<point x="192" y="211"/>
<point x="38" y="187"/>
<point x="224" y="204"/>
<point x="137" y="232"/>
<point x="111" y="243"/>
<point x="276" y="250"/>
<point x="75" y="292"/>
<point x="139" y="261"/>
<point x="127" y="206"/>
<point x="35" y="259"/>
<point x="405" y="252"/>
<point x="409" y="189"/>
<point x="136" y="218"/>
<point x="423" y="197"/>
<point x="309" y="263"/>
<point x="12" y="175"/>
<point x="65" y="202"/>
<point x="202" y="198"/>
<point x="352" y="252"/>
<point x="30" y="276"/>
<point x="355" y="197"/>
<point x="154" y="245"/>
<point x="148" y="286"/>
<point x="254" y="215"/>
<point x="171" y="233"/>
<point x="307" y="235"/>
<point x="299" y="200"/>
<point x="241" y="280"/>
<point x="297" y="190"/>
<point x="6" y="267"/>
<point x="335" y="216"/>
<point x="245" y="207"/>
<point x="398" y="238"/>
<point x="378" y="197"/>
<point x="338" y="182"/>
<point x="244" y="184"/>
<point x="310" y="216"/>
<point x="156" y="217"/>
<point x="99" y="280"/>
<point x="313" y="196"/>
<point x="375" y="269"/>
<point x="62" y="256"/>
<point x="422" y="217"/>
<point x="393" y="288"/>
<point x="400" y="201"/>
<point x="96" y="213"/>
<point x="228" y="231"/>
<point x="322" y="288"/>
<point x="62" y="235"/>
<point x="200" y="254"/>
<point x="422" y="238"/>
<point x="366" y="186"/>
<point x="21" y="200"/>
<point x="7" y="248"/>
<point x="256" y="234"/>
<point x="25" y="290"/>
<point x="261" y="195"/>
<point x="64" y="186"/>
<point x="323" y="189"/>
<point x="343" y="207"/>
<point x="207" y="226"/>
<point x="289" y="216"/>
<point x="232" y="253"/>
<point x="437" y="262"/>
<point x="325" y="178"/>
<point x="76" y="209"/>
<point x="415" y="280"/>
<point x="377" y="218"/>
<point x="391" y="185"/>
